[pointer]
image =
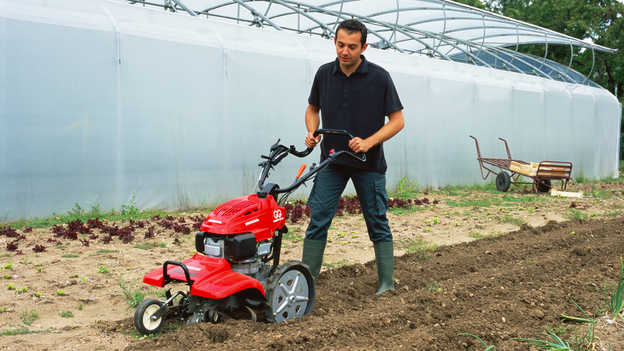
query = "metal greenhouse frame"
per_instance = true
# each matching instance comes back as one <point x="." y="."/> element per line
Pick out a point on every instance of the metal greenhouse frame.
<point x="438" y="28"/>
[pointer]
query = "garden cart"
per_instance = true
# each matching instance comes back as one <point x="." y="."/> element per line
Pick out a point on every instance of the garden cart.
<point x="510" y="171"/>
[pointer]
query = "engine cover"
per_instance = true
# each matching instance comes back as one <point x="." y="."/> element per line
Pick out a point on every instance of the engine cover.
<point x="247" y="214"/>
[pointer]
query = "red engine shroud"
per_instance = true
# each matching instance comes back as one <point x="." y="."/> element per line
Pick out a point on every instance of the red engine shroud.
<point x="247" y="214"/>
<point x="212" y="277"/>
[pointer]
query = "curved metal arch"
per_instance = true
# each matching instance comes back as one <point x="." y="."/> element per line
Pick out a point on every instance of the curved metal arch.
<point x="472" y="56"/>
<point x="522" y="57"/>
<point x="251" y="10"/>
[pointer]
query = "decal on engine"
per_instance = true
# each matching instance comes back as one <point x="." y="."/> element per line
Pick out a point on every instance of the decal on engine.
<point x="277" y="216"/>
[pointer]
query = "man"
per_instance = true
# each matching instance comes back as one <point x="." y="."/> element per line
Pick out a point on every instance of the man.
<point x="354" y="94"/>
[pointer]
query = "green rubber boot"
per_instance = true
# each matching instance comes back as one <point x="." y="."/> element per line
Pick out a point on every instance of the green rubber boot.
<point x="313" y="255"/>
<point x="384" y="256"/>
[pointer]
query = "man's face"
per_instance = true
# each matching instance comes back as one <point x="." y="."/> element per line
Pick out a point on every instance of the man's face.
<point x="349" y="47"/>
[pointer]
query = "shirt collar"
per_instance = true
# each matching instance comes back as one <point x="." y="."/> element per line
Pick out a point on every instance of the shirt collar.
<point x="362" y="68"/>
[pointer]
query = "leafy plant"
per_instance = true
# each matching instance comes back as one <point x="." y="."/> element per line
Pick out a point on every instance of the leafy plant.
<point x="102" y="269"/>
<point x="60" y="292"/>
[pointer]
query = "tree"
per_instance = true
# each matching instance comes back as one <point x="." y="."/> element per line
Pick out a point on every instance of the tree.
<point x="601" y="21"/>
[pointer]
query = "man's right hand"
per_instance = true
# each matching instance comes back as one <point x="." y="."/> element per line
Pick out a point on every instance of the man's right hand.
<point x="311" y="140"/>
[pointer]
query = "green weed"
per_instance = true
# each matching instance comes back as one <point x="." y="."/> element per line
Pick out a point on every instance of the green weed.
<point x="70" y="255"/>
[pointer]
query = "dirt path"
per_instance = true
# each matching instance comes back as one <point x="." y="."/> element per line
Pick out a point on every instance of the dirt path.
<point x="69" y="296"/>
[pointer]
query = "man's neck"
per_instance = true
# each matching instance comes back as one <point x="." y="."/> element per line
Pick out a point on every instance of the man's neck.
<point x="349" y="70"/>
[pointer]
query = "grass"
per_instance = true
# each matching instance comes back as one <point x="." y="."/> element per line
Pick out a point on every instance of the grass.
<point x="406" y="210"/>
<point x="477" y="235"/>
<point x="105" y="251"/>
<point x="29" y="317"/>
<point x="145" y="246"/>
<point x="135" y="296"/>
<point x="337" y="264"/>
<point x="512" y="220"/>
<point x="555" y="343"/>
<point x="416" y="245"/>
<point x="487" y="347"/>
<point x="406" y="189"/>
<point x="70" y="255"/>
<point x="616" y="300"/>
<point x="433" y="287"/>
<point x="21" y="331"/>
<point x="66" y="314"/>
<point x="576" y="214"/>
<point x="127" y="212"/>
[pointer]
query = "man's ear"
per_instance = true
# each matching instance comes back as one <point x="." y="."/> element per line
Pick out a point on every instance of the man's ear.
<point x="364" y="47"/>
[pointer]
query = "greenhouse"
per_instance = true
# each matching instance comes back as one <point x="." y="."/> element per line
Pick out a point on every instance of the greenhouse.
<point x="170" y="103"/>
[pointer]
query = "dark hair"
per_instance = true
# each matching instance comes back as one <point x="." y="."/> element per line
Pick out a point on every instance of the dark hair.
<point x="353" y="25"/>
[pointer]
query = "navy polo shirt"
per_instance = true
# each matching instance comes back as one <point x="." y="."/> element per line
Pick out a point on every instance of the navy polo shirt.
<point x="358" y="103"/>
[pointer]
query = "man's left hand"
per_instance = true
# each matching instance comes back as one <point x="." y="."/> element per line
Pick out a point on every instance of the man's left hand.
<point x="358" y="144"/>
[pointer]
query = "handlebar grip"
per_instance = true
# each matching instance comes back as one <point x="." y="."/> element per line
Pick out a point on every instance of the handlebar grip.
<point x="300" y="171"/>
<point x="333" y="131"/>
<point x="303" y="153"/>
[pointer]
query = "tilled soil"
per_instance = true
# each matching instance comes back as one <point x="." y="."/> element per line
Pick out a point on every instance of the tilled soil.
<point x="66" y="287"/>
<point x="499" y="288"/>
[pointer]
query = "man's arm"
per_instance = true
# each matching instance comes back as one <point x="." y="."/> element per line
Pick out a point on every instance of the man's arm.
<point x="312" y="122"/>
<point x="394" y="125"/>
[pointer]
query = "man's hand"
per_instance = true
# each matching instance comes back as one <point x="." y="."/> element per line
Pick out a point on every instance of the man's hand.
<point x="311" y="140"/>
<point x="358" y="144"/>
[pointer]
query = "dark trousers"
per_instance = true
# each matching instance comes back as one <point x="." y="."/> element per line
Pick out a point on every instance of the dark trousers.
<point x="371" y="191"/>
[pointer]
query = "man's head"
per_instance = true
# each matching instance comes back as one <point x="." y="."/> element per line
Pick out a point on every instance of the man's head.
<point x="350" y="42"/>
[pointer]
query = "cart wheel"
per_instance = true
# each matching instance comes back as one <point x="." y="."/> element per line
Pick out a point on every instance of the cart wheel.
<point x="503" y="181"/>
<point x="290" y="292"/>
<point x="543" y="186"/>
<point x="143" y="321"/>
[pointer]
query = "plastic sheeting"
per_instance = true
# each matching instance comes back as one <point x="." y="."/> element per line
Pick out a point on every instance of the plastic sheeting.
<point x="101" y="101"/>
